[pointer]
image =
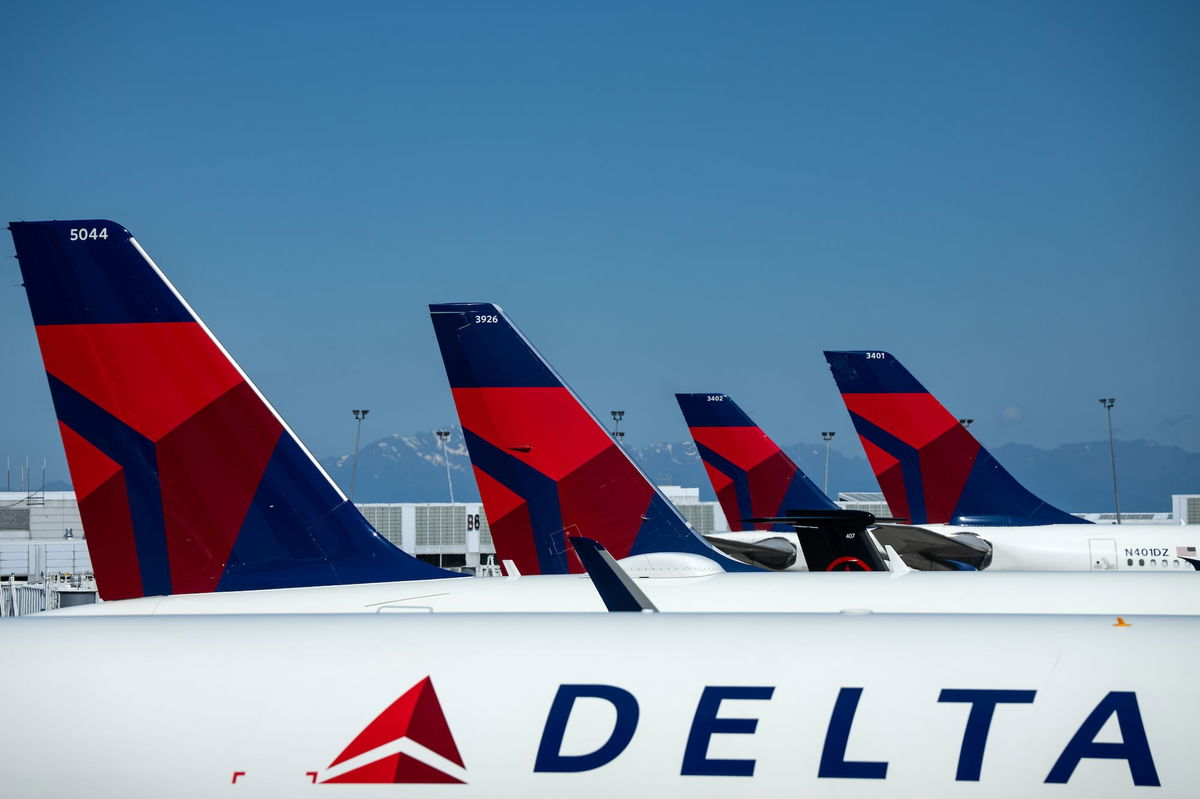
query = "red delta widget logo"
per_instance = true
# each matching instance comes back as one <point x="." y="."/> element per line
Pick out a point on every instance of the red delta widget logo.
<point x="409" y="742"/>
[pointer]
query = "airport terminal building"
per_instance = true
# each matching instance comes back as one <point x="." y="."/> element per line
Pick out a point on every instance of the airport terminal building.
<point x="41" y="532"/>
<point x="42" y="538"/>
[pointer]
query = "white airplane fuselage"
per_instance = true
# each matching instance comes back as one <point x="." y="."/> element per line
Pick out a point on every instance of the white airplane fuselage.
<point x="1058" y="547"/>
<point x="607" y="705"/>
<point x="768" y="592"/>
<point x="1086" y="547"/>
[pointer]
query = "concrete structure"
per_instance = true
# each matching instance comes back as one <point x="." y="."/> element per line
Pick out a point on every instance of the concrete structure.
<point x="40" y="514"/>
<point x="458" y="535"/>
<point x="44" y="562"/>
<point x="704" y="516"/>
<point x="41" y="534"/>
<point x="870" y="501"/>
<point x="1185" y="508"/>
<point x="450" y="535"/>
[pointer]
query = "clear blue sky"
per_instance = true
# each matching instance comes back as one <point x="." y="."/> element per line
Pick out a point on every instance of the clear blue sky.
<point x="665" y="197"/>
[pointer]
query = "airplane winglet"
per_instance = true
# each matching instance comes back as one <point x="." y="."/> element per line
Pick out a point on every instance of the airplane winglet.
<point x="895" y="562"/>
<point x="616" y="588"/>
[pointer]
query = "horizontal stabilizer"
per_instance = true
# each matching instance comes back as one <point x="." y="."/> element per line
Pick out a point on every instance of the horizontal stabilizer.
<point x="836" y="518"/>
<point x="772" y="553"/>
<point x="930" y="551"/>
<point x="833" y="540"/>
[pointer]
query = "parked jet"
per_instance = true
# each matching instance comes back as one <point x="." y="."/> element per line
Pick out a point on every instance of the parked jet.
<point x="187" y="479"/>
<point x="750" y="473"/>
<point x="935" y="473"/>
<point x="608" y="704"/>
<point x="197" y="498"/>
<point x="753" y="477"/>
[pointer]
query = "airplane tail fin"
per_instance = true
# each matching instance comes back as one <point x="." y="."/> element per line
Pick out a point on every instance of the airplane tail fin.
<point x="547" y="469"/>
<point x="187" y="480"/>
<point x="930" y="468"/>
<point x="750" y="474"/>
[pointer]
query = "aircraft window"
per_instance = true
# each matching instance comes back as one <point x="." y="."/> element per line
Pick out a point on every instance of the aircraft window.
<point x="1164" y="563"/>
<point x="1129" y="562"/>
<point x="1175" y="563"/>
<point x="1153" y="562"/>
<point x="1141" y="561"/>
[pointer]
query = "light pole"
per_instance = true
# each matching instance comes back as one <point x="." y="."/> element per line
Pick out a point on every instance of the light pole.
<point x="617" y="417"/>
<point x="966" y="422"/>
<point x="359" y="415"/>
<point x="1108" y="403"/>
<point x="827" y="437"/>
<point x="444" y="436"/>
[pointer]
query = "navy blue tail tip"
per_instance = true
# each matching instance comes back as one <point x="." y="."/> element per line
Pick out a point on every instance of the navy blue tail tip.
<point x="712" y="410"/>
<point x="871" y="372"/>
<point x="88" y="271"/>
<point x="481" y="348"/>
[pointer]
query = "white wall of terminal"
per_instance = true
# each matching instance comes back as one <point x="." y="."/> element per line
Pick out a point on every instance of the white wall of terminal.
<point x="49" y="514"/>
<point x="461" y="529"/>
<point x="1186" y="508"/>
<point x="41" y="534"/>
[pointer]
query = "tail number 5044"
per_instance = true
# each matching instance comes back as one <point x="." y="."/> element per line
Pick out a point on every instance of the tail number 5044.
<point x="85" y="234"/>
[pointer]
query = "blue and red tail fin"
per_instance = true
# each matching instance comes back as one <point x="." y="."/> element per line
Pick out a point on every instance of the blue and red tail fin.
<point x="546" y="468"/>
<point x="751" y="475"/>
<point x="929" y="466"/>
<point x="187" y="479"/>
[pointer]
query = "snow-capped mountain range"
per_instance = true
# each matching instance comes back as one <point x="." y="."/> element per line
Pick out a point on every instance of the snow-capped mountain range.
<point x="1076" y="477"/>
